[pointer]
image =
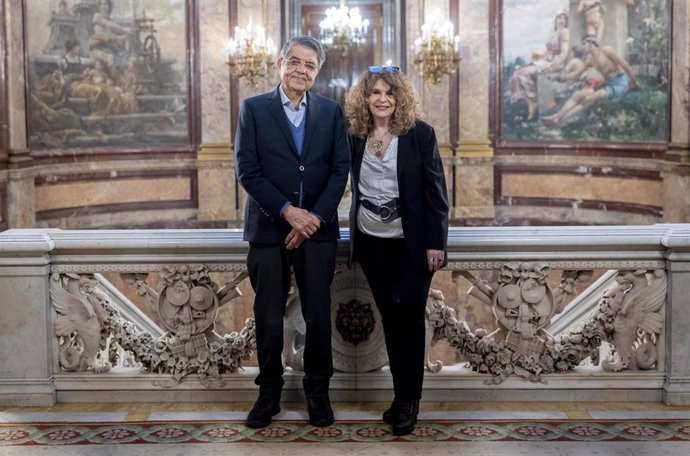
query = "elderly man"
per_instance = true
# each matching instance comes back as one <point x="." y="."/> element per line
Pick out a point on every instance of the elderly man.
<point x="292" y="158"/>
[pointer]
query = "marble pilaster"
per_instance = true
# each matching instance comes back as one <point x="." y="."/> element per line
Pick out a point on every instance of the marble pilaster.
<point x="677" y="174"/>
<point x="474" y="191"/>
<point x="680" y="88"/>
<point x="677" y="328"/>
<point x="474" y="69"/>
<point x="16" y="83"/>
<point x="215" y="82"/>
<point x="21" y="198"/>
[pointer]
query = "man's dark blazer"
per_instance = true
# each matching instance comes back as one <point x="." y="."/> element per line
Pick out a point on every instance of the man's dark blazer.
<point x="423" y="199"/>
<point x="271" y="171"/>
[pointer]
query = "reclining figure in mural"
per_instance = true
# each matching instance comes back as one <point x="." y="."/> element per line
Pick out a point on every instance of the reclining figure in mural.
<point x="618" y="76"/>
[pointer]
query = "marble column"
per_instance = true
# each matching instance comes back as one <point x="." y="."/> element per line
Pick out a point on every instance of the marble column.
<point x="21" y="212"/>
<point x="215" y="166"/>
<point x="474" y="167"/>
<point x="26" y="356"/>
<point x="677" y="169"/>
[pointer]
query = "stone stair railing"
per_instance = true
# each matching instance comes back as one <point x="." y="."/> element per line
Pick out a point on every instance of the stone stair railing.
<point x="581" y="313"/>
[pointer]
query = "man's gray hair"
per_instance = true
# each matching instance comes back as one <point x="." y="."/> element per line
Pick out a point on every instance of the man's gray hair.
<point x="307" y="41"/>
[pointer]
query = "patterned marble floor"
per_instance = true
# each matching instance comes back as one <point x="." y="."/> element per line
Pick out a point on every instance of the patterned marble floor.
<point x="538" y="412"/>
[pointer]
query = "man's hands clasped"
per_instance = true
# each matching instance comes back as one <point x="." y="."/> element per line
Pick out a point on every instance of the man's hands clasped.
<point x="303" y="223"/>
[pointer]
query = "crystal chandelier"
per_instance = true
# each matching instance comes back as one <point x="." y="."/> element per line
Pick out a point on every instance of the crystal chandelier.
<point x="437" y="51"/>
<point x="251" y="54"/>
<point x="343" y="29"/>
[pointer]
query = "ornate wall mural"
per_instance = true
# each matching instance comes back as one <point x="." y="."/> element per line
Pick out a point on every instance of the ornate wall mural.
<point x="107" y="72"/>
<point x="585" y="70"/>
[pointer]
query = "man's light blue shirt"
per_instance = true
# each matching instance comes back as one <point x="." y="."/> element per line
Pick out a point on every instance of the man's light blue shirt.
<point x="294" y="116"/>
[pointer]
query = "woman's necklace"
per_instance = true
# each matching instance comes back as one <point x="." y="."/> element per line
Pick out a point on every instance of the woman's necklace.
<point x="376" y="144"/>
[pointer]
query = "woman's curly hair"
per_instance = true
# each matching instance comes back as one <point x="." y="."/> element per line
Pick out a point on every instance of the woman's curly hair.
<point x="407" y="107"/>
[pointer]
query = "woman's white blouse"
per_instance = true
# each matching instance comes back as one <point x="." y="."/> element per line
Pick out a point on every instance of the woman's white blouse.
<point x="378" y="183"/>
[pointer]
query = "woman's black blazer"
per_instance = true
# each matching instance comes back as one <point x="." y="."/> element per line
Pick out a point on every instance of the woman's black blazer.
<point x="423" y="199"/>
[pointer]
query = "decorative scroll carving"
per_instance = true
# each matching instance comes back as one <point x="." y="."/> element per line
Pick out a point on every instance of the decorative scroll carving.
<point x="628" y="317"/>
<point x="187" y="301"/>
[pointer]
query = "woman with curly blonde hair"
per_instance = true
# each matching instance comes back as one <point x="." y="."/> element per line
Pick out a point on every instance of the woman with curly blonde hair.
<point x="398" y="222"/>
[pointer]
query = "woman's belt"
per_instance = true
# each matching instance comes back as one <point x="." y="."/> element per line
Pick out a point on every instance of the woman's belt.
<point x="388" y="211"/>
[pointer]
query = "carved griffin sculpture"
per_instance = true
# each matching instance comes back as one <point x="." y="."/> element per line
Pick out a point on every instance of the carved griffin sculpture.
<point x="638" y="298"/>
<point x="78" y="323"/>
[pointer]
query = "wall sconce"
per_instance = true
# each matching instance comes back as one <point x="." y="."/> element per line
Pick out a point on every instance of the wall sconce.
<point x="436" y="52"/>
<point x="343" y="29"/>
<point x="251" y="54"/>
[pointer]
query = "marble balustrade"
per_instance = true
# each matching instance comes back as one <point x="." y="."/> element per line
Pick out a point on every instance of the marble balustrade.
<point x="582" y="313"/>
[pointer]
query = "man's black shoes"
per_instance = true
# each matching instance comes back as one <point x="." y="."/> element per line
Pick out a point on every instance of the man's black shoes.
<point x="389" y="415"/>
<point x="265" y="408"/>
<point x="404" y="416"/>
<point x="319" y="409"/>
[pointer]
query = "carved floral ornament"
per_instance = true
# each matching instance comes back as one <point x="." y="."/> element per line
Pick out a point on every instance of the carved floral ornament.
<point x="92" y="334"/>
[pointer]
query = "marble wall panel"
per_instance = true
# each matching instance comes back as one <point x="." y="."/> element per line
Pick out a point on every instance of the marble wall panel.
<point x="574" y="215"/>
<point x="598" y="188"/>
<point x="23" y="326"/>
<point x="182" y="218"/>
<point x="217" y="192"/>
<point x="20" y="201"/>
<point x="85" y="193"/>
<point x="474" y="185"/>
<point x="676" y="198"/>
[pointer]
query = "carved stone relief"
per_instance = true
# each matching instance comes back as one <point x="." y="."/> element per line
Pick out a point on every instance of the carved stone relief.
<point x="358" y="340"/>
<point x="628" y="316"/>
<point x="187" y="300"/>
<point x="91" y="333"/>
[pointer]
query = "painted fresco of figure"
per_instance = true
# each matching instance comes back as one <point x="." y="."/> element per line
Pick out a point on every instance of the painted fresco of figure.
<point x="523" y="82"/>
<point x="109" y="40"/>
<point x="593" y="13"/>
<point x="71" y="63"/>
<point x="618" y="76"/>
<point x="105" y="97"/>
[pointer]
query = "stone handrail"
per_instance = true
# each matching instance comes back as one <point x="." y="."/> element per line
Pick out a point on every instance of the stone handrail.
<point x="43" y="270"/>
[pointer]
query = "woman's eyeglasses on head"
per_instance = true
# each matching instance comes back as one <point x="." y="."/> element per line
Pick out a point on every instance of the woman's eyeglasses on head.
<point x="382" y="68"/>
